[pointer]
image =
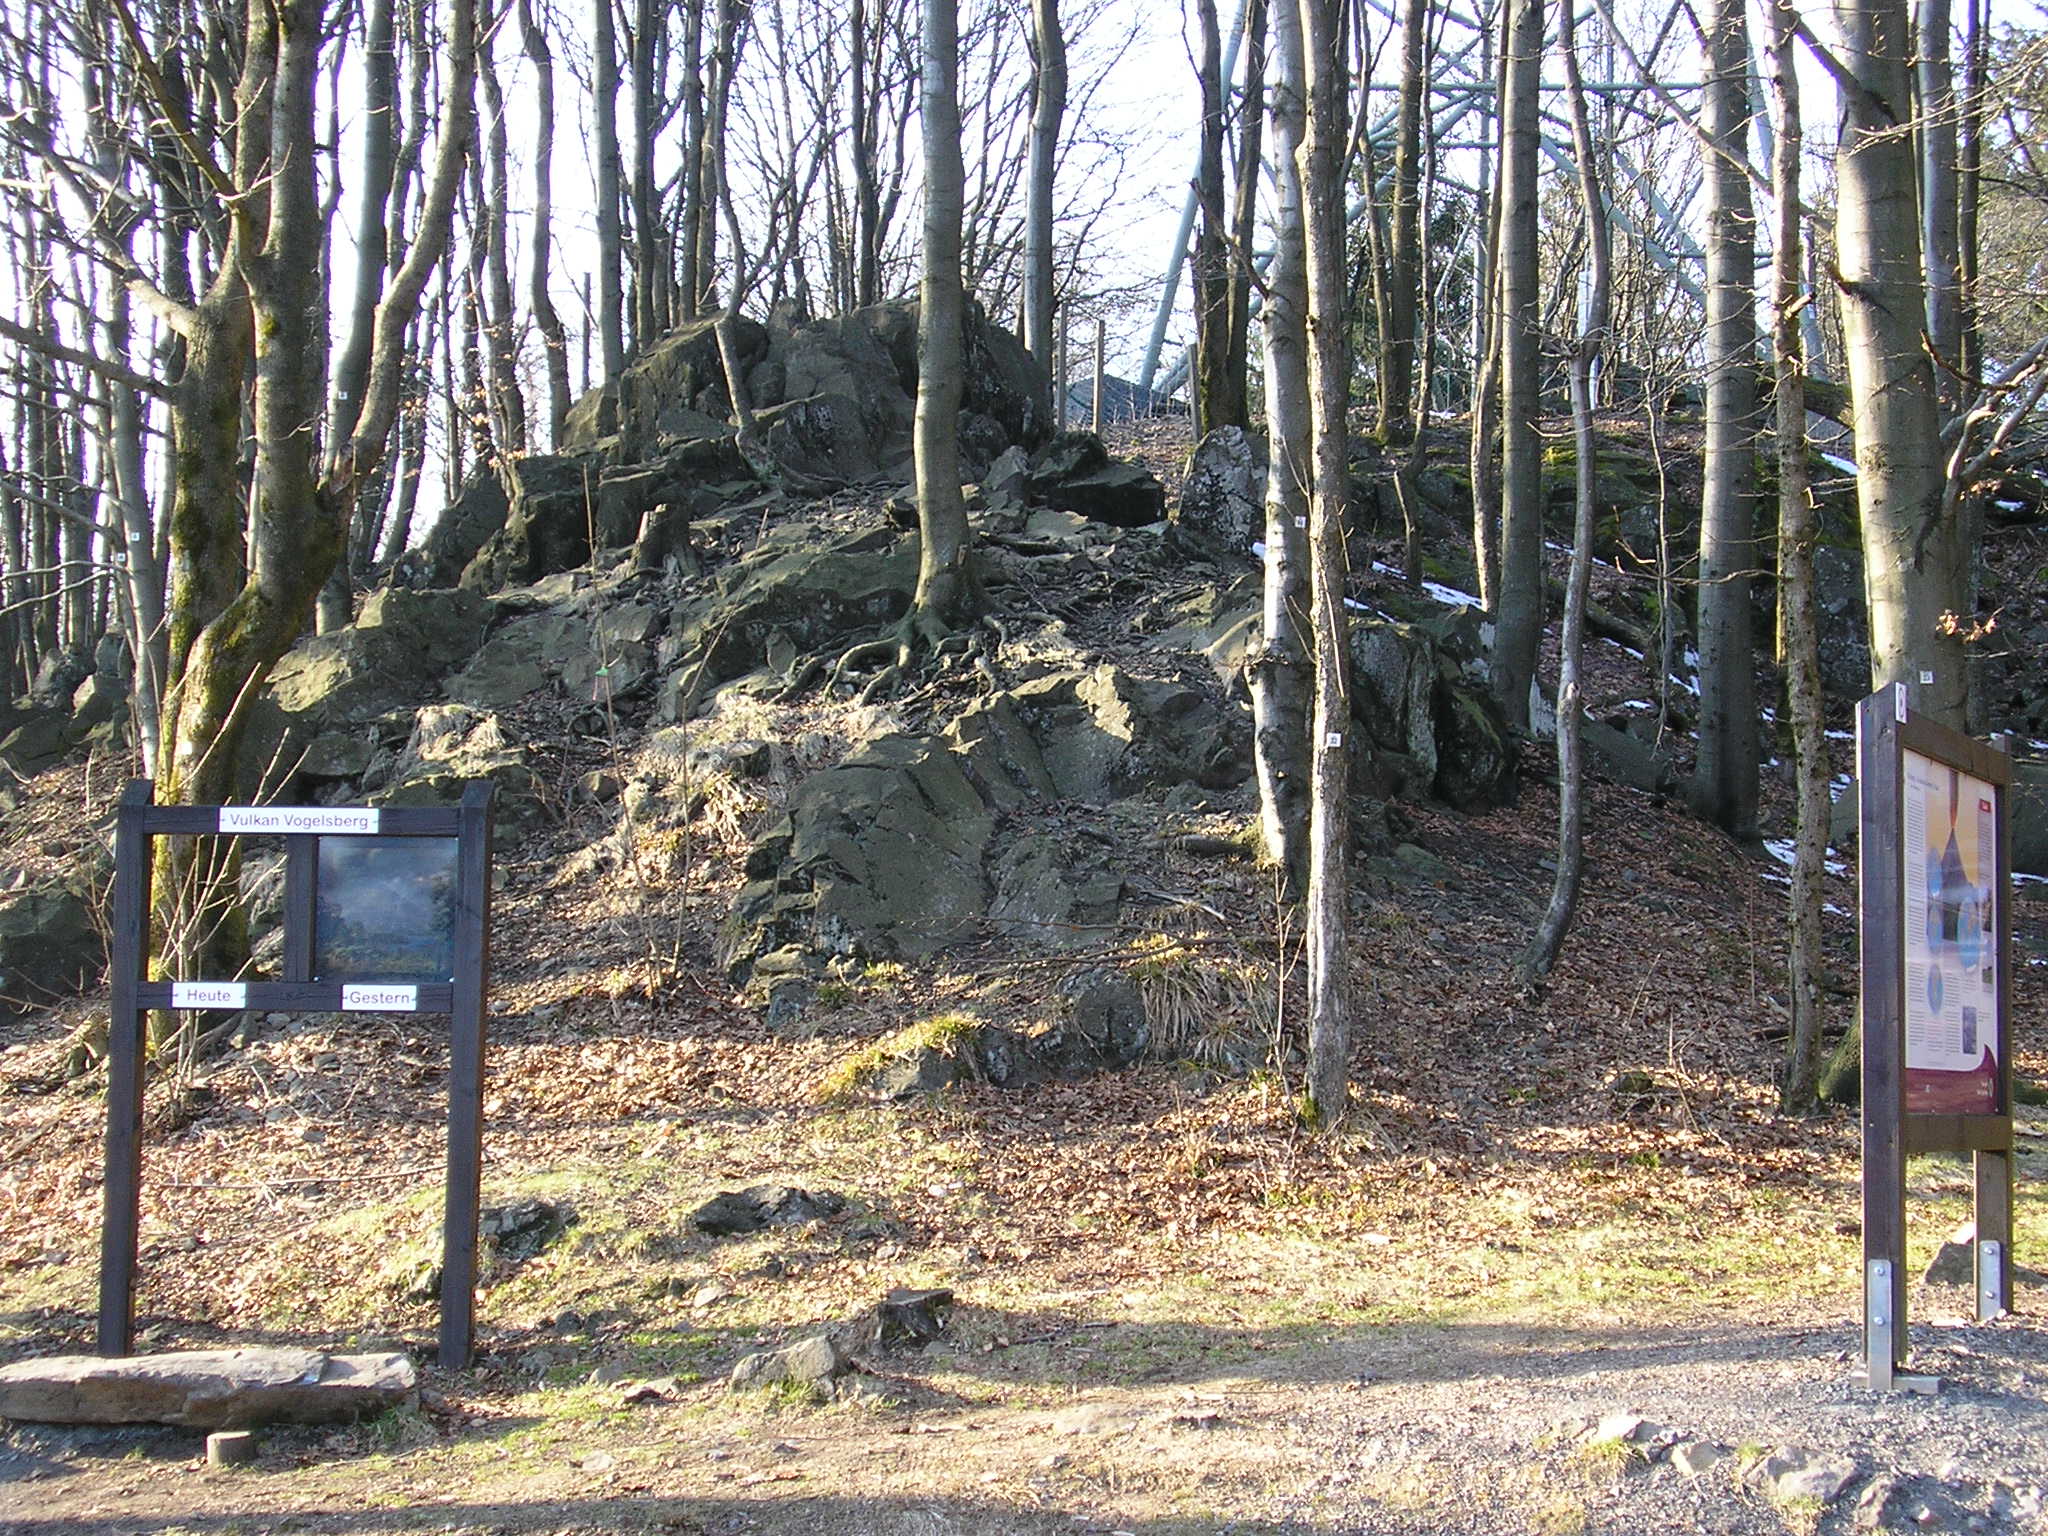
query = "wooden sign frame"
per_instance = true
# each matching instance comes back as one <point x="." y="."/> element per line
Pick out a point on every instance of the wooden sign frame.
<point x="1973" y="1113"/>
<point x="465" y="999"/>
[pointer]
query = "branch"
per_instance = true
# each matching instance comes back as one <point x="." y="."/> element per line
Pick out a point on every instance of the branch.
<point x="145" y="64"/>
<point x="113" y="373"/>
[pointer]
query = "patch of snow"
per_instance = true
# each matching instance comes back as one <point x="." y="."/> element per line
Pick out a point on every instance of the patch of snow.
<point x="1846" y="466"/>
<point x="1450" y="596"/>
<point x="1840" y="735"/>
<point x="1829" y="907"/>
<point x="1626" y="650"/>
<point x="1781" y="849"/>
<point x="2020" y="879"/>
<point x="1638" y="704"/>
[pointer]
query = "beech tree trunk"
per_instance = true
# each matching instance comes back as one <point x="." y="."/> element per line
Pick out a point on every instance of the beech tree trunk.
<point x="1398" y="346"/>
<point x="1724" y="788"/>
<point x="1518" y="610"/>
<point x="945" y="582"/>
<point x="1915" y="567"/>
<point x="1281" y="668"/>
<point x="1550" y="933"/>
<point x="1215" y="405"/>
<point x="1048" y="105"/>
<point x="1322" y="181"/>
<point x="611" y="318"/>
<point x="1797" y="527"/>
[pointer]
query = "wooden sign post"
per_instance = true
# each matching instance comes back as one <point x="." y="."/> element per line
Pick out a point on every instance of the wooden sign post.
<point x="1935" y="876"/>
<point x="424" y="949"/>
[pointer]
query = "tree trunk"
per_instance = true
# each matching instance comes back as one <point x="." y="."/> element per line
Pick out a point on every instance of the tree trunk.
<point x="1212" y="395"/>
<point x="1937" y="134"/>
<point x="945" y="579"/>
<point x="1518" y="621"/>
<point x="1483" y="459"/>
<point x="1404" y="256"/>
<point x="1915" y="569"/>
<point x="611" y="319"/>
<point x="1280" y="671"/>
<point x="1244" y="209"/>
<point x="1048" y="103"/>
<point x="1564" y="890"/>
<point x="1322" y="180"/>
<point x="1724" y="788"/>
<point x="501" y="328"/>
<point x="554" y="341"/>
<point x="1797" y="527"/>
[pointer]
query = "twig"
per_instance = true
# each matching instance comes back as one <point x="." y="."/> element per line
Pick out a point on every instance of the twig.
<point x="267" y="1186"/>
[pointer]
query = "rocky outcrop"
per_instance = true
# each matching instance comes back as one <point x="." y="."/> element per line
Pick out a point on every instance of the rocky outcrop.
<point x="559" y="503"/>
<point x="813" y="590"/>
<point x="207" y="1389"/>
<point x="893" y="853"/>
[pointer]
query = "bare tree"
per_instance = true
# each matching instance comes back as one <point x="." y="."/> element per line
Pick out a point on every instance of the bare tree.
<point x="1724" y="785"/>
<point x="1281" y="668"/>
<point x="1324" y="39"/>
<point x="1049" y="103"/>
<point x="1549" y="937"/>
<point x="1518" y="609"/>
<point x="1797" y="528"/>
<point x="946" y="590"/>
<point x="1915" y="565"/>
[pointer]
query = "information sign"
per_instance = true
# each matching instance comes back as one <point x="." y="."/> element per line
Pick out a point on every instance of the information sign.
<point x="1935" y="868"/>
<point x="385" y="911"/>
<point x="1950" y="916"/>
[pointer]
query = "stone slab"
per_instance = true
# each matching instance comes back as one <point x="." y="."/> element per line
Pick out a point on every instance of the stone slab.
<point x="207" y="1388"/>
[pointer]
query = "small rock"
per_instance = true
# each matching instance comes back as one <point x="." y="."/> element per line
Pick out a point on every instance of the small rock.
<point x="815" y="1362"/>
<point x="1791" y="1473"/>
<point x="1695" y="1458"/>
<point x="1873" y="1508"/>
<point x="1955" y="1262"/>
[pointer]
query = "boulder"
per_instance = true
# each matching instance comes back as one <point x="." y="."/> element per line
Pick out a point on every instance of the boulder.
<point x="207" y="1389"/>
<point x="1223" y="495"/>
<point x="49" y="946"/>
<point x="540" y="650"/>
<point x="888" y="855"/>
<point x="520" y="1229"/>
<point x="880" y="856"/>
<point x="58" y="676"/>
<point x="664" y="395"/>
<point x="1038" y="898"/>
<point x="1100" y="1026"/>
<point x="1074" y="472"/>
<point x="552" y="511"/>
<point x="40" y="741"/>
<point x="816" y="1362"/>
<point x="452" y="745"/>
<point x="462" y="529"/>
<point x="730" y="1214"/>
<point x="904" y="1319"/>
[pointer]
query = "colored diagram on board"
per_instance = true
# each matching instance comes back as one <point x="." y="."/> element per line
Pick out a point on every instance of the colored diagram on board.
<point x="1951" y="948"/>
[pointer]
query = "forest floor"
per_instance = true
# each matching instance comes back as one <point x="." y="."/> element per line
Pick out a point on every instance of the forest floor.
<point x="1176" y="1311"/>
